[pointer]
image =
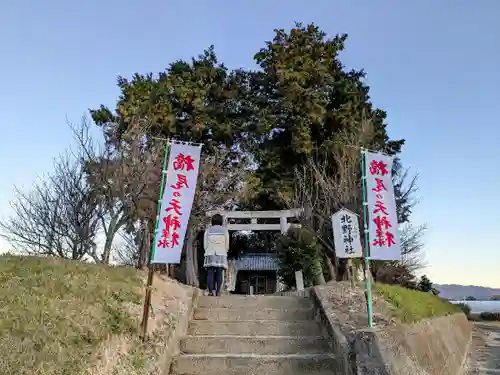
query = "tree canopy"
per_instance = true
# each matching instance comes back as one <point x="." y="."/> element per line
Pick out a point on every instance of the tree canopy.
<point x="300" y="107"/>
<point x="300" y="103"/>
<point x="294" y="124"/>
<point x="307" y="101"/>
<point x="198" y="101"/>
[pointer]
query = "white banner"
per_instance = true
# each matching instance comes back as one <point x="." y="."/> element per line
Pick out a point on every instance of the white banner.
<point x="176" y="204"/>
<point x="382" y="219"/>
<point x="346" y="234"/>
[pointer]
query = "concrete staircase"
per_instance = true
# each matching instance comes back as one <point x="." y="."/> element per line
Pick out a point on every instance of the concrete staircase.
<point x="254" y="335"/>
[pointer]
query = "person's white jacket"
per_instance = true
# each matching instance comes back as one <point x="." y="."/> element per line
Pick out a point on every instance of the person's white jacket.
<point x="216" y="240"/>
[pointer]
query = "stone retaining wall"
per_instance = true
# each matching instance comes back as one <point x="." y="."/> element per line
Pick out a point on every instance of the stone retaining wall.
<point x="339" y="343"/>
<point x="172" y="305"/>
<point x="436" y="346"/>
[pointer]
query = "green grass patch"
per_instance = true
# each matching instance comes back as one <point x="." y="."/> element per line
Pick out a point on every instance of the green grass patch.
<point x="410" y="306"/>
<point x="54" y="314"/>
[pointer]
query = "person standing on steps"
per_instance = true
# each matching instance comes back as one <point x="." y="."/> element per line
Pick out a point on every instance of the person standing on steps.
<point x="216" y="245"/>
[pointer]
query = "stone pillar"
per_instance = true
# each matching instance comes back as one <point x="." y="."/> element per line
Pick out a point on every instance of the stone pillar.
<point x="299" y="280"/>
<point x="284" y="224"/>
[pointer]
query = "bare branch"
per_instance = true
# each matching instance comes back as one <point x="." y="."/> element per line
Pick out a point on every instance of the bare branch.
<point x="124" y="175"/>
<point x="57" y="217"/>
<point x="404" y="190"/>
<point x="325" y="184"/>
<point x="412" y="246"/>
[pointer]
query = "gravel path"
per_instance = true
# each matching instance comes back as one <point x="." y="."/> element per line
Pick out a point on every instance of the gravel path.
<point x="485" y="350"/>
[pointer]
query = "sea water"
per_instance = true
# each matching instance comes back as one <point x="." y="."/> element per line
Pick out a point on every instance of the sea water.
<point x="477" y="307"/>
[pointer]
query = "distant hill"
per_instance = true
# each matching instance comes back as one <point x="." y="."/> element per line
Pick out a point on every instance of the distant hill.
<point x="457" y="292"/>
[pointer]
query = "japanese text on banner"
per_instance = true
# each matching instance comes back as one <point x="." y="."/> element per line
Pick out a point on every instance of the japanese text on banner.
<point x="176" y="204"/>
<point x="346" y="234"/>
<point x="382" y="217"/>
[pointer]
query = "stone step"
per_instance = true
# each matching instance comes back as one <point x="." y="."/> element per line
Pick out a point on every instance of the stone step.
<point x="239" y="364"/>
<point x="222" y="314"/>
<point x="254" y="345"/>
<point x="255" y="328"/>
<point x="275" y="302"/>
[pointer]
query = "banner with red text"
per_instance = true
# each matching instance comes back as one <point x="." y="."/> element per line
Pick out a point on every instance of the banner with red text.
<point x="382" y="218"/>
<point x="177" y="201"/>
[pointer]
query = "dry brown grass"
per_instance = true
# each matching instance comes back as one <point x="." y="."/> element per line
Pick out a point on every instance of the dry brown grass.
<point x="126" y="355"/>
<point x="65" y="318"/>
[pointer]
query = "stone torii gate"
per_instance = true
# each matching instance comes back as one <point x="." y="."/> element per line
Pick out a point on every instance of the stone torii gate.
<point x="251" y="219"/>
<point x="254" y="216"/>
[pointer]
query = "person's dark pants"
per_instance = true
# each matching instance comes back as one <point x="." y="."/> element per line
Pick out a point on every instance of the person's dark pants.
<point x="214" y="280"/>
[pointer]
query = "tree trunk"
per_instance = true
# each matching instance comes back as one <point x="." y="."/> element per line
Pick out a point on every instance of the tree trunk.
<point x="50" y="242"/>
<point x="145" y="247"/>
<point x="195" y="256"/>
<point x="319" y="279"/>
<point x="356" y="271"/>
<point x="191" y="271"/>
<point x="331" y="269"/>
<point x="110" y="235"/>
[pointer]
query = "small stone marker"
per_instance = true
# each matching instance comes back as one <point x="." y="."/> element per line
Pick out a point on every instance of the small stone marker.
<point x="299" y="280"/>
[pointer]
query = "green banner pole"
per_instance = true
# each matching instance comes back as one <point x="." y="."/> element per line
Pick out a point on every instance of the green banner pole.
<point x="149" y="284"/>
<point x="368" y="286"/>
<point x="162" y="187"/>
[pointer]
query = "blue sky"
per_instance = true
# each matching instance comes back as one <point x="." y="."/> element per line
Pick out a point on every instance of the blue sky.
<point x="434" y="66"/>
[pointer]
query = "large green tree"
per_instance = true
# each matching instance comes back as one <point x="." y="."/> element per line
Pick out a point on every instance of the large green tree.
<point x="307" y="101"/>
<point x="315" y="115"/>
<point x="198" y="101"/>
<point x="300" y="105"/>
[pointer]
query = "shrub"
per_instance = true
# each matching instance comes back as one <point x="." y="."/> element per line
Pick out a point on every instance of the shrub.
<point x="424" y="284"/>
<point x="465" y="308"/>
<point x="298" y="250"/>
<point x="394" y="273"/>
<point x="490" y="316"/>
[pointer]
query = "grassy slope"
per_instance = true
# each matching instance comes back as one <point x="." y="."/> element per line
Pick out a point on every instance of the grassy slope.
<point x="54" y="314"/>
<point x="410" y="306"/>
